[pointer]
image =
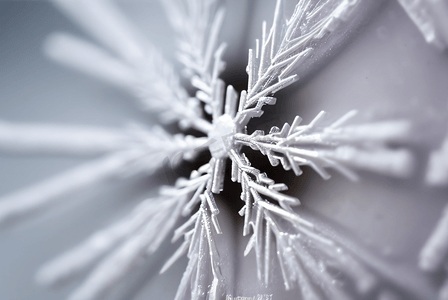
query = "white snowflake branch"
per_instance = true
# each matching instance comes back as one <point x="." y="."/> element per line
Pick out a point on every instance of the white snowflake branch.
<point x="203" y="274"/>
<point x="144" y="72"/>
<point x="437" y="170"/>
<point x="138" y="235"/>
<point x="155" y="146"/>
<point x="79" y="140"/>
<point x="297" y="264"/>
<point x="153" y="81"/>
<point x="199" y="241"/>
<point x="98" y="244"/>
<point x="103" y="21"/>
<point x="58" y="139"/>
<point x="18" y="205"/>
<point x="198" y="24"/>
<point x="335" y="146"/>
<point x="283" y="48"/>
<point x="116" y="265"/>
<point x="430" y="19"/>
<point x="254" y="183"/>
<point x="88" y="58"/>
<point x="433" y="254"/>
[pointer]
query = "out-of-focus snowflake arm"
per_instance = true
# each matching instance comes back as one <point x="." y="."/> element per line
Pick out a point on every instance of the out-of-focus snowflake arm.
<point x="337" y="146"/>
<point x="142" y="70"/>
<point x="433" y="254"/>
<point x="59" y="139"/>
<point x="88" y="58"/>
<point x="283" y="48"/>
<point x="437" y="172"/>
<point x="155" y="145"/>
<point x="293" y="245"/>
<point x="296" y="261"/>
<point x="137" y="236"/>
<point x="153" y="81"/>
<point x="430" y="19"/>
<point x="103" y="21"/>
<point x="198" y="24"/>
<point x="117" y="264"/>
<point x="98" y="244"/>
<point x="18" y="205"/>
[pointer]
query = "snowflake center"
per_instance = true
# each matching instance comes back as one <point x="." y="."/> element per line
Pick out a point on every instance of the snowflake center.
<point x="221" y="136"/>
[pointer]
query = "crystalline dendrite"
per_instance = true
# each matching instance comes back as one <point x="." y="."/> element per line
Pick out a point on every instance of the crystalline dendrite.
<point x="275" y="229"/>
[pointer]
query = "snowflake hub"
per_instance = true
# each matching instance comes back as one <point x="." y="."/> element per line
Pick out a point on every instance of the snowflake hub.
<point x="221" y="136"/>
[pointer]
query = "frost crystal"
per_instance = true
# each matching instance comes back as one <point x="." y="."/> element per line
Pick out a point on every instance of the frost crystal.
<point x="430" y="18"/>
<point x="437" y="172"/>
<point x="433" y="254"/>
<point x="305" y="254"/>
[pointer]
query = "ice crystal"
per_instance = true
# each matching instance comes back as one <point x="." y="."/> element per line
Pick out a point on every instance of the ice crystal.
<point x="221" y="114"/>
<point x="437" y="172"/>
<point x="430" y="18"/>
<point x="433" y="254"/>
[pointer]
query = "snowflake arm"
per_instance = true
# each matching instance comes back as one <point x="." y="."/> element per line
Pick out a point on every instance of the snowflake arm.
<point x="155" y="145"/>
<point x="103" y="21"/>
<point x="116" y="265"/>
<point x="292" y="255"/>
<point x="153" y="81"/>
<point x="21" y="204"/>
<point x="134" y="237"/>
<point x="83" y="56"/>
<point x="430" y="18"/>
<point x="286" y="45"/>
<point x="67" y="140"/>
<point x="433" y="254"/>
<point x="203" y="268"/>
<point x="437" y="171"/>
<point x="141" y="70"/>
<point x="197" y="24"/>
<point x="293" y="246"/>
<point x="253" y="183"/>
<point x="97" y="245"/>
<point x="337" y="146"/>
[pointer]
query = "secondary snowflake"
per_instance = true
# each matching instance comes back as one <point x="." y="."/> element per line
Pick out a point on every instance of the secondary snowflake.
<point x="221" y="114"/>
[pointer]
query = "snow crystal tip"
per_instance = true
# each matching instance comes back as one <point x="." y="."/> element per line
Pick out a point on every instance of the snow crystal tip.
<point x="434" y="252"/>
<point x="430" y="18"/>
<point x="437" y="170"/>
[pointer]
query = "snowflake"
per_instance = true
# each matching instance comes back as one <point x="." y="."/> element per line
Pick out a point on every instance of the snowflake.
<point x="280" y="236"/>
